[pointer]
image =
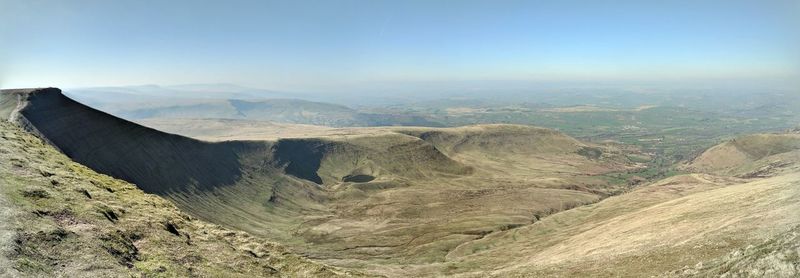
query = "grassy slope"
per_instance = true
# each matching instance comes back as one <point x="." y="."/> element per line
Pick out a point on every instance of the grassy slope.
<point x="671" y="224"/>
<point x="738" y="156"/>
<point x="775" y="257"/>
<point x="68" y="220"/>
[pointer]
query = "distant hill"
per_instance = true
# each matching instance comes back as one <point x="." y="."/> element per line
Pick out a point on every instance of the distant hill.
<point x="151" y="93"/>
<point x="223" y="101"/>
<point x="276" y="110"/>
<point x="750" y="155"/>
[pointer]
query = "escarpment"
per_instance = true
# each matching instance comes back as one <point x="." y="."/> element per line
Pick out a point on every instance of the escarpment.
<point x="160" y="162"/>
<point x="156" y="161"/>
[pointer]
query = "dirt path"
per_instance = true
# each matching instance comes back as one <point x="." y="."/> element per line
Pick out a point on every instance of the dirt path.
<point x="15" y="113"/>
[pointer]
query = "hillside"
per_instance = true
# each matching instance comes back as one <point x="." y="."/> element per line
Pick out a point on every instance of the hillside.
<point x="60" y="218"/>
<point x="690" y="225"/>
<point x="775" y="257"/>
<point x="755" y="155"/>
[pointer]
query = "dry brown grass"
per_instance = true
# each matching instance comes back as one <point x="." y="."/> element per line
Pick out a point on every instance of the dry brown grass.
<point x="737" y="156"/>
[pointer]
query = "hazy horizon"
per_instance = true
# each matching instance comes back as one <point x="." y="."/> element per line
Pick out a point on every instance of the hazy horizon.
<point x="365" y="46"/>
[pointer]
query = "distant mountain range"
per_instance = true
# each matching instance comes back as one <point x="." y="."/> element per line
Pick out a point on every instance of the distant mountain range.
<point x="276" y="110"/>
<point x="229" y="101"/>
<point x="225" y="101"/>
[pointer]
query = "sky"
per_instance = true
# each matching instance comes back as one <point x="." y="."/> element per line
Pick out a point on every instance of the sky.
<point x="366" y="45"/>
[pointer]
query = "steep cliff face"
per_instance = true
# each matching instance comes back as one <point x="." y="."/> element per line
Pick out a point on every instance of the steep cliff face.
<point x="160" y="162"/>
<point x="157" y="162"/>
<point x="236" y="184"/>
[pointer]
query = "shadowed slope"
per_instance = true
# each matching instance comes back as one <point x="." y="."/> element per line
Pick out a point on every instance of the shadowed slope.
<point x="156" y="161"/>
<point x="302" y="157"/>
<point x="230" y="183"/>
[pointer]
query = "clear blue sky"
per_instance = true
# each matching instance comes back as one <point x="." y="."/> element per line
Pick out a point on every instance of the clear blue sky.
<point x="335" y="45"/>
